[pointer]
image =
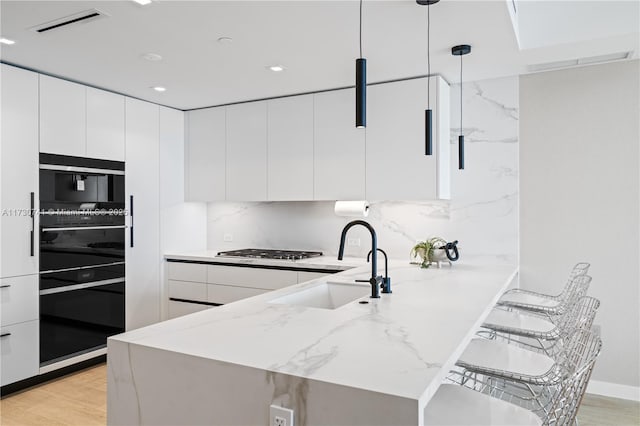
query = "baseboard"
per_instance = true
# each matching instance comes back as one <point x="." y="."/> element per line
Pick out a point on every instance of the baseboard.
<point x="614" y="390"/>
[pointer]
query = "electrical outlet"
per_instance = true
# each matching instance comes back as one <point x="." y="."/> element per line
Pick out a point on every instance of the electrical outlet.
<point x="355" y="242"/>
<point x="228" y="238"/>
<point x="280" y="416"/>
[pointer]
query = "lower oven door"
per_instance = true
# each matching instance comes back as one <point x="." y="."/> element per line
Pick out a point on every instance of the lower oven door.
<point x="78" y="317"/>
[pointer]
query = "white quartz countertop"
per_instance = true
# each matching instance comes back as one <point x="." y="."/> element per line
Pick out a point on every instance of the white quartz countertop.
<point x="320" y="263"/>
<point x="402" y="344"/>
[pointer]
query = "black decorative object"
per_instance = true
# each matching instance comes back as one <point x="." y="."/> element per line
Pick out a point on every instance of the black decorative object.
<point x="461" y="50"/>
<point x="361" y="84"/>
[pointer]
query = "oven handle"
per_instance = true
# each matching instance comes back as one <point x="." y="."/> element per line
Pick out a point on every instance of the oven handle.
<point x="80" y="286"/>
<point x="84" y="228"/>
<point x="33" y="224"/>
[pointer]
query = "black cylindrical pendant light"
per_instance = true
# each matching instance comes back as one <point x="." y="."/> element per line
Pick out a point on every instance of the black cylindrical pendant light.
<point x="461" y="50"/>
<point x="428" y="115"/>
<point x="361" y="84"/>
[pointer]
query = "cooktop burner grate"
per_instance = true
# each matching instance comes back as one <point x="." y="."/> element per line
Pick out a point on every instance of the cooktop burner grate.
<point x="271" y="254"/>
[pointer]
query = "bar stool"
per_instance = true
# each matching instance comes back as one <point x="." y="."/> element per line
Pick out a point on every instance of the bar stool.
<point x="576" y="287"/>
<point x="541" y="331"/>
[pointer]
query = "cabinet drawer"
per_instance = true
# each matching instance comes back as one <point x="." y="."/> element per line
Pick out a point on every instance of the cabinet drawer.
<point x="226" y="294"/>
<point x="269" y="279"/>
<point x="19" y="349"/>
<point x="188" y="290"/>
<point x="188" y="272"/>
<point x="19" y="299"/>
<point x="178" y="309"/>
<point x="304" y="276"/>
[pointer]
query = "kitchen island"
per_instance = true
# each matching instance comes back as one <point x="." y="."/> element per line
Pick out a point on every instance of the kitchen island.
<point x="377" y="363"/>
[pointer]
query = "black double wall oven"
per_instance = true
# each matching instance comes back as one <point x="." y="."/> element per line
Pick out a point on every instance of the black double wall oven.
<point x="82" y="255"/>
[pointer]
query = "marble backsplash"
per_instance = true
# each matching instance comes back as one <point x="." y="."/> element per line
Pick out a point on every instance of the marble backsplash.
<point x="482" y="214"/>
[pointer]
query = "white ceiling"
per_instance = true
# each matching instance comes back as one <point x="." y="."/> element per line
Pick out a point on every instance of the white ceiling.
<point x="317" y="42"/>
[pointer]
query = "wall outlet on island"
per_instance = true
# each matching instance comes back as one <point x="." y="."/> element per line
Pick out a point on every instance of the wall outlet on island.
<point x="355" y="242"/>
<point x="280" y="416"/>
<point x="228" y="238"/>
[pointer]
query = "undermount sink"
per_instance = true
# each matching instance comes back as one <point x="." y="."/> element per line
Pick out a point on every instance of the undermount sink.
<point x="326" y="295"/>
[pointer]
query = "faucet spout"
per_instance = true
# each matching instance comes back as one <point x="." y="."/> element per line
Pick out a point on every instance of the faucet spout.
<point x="375" y="279"/>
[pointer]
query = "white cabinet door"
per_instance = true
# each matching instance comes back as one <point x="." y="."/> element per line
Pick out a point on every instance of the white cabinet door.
<point x="247" y="152"/>
<point x="18" y="172"/>
<point x="205" y="152"/>
<point x="397" y="167"/>
<point x="142" y="239"/>
<point x="339" y="148"/>
<point x="63" y="125"/>
<point x="179" y="309"/>
<point x="105" y="125"/>
<point x="19" y="299"/>
<point x="290" y="148"/>
<point x="19" y="351"/>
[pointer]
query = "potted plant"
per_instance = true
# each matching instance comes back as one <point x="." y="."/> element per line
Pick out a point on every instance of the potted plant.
<point x="425" y="250"/>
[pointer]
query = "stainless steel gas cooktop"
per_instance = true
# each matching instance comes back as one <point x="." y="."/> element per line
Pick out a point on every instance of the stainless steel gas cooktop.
<point x="271" y="254"/>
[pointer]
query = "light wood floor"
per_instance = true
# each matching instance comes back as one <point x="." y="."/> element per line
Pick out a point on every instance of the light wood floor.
<point x="81" y="399"/>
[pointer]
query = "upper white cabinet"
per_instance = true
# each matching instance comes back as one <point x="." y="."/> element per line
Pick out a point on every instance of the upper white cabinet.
<point x="205" y="152"/>
<point x="247" y="152"/>
<point x="18" y="172"/>
<point x="339" y="148"/>
<point x="105" y="125"/>
<point x="397" y="167"/>
<point x="80" y="121"/>
<point x="290" y="148"/>
<point x="63" y="125"/>
<point x="143" y="203"/>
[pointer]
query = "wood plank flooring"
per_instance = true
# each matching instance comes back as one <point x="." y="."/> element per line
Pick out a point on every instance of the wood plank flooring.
<point x="80" y="399"/>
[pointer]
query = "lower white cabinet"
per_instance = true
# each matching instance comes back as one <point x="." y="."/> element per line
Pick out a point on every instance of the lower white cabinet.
<point x="18" y="299"/>
<point x="208" y="285"/>
<point x="19" y="351"/>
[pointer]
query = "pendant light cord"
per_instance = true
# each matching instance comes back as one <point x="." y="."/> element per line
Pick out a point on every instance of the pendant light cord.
<point x="360" y="28"/>
<point x="461" y="94"/>
<point x="428" y="57"/>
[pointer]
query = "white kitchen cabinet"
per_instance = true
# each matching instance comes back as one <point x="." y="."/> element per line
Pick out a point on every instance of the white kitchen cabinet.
<point x="290" y="148"/>
<point x="339" y="148"/>
<point x="19" y="351"/>
<point x="246" y="157"/>
<point x="222" y="294"/>
<point x="187" y="290"/>
<point x="143" y="203"/>
<point x="268" y="279"/>
<point x="304" y="276"/>
<point x="63" y="124"/>
<point x="179" y="309"/>
<point x="19" y="172"/>
<point x="397" y="167"/>
<point x="19" y="299"/>
<point x="193" y="272"/>
<point x="105" y="125"/>
<point x="205" y="152"/>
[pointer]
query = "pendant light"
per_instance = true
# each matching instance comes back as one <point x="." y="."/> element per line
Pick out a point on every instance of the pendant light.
<point x="461" y="50"/>
<point x="428" y="120"/>
<point x="361" y="84"/>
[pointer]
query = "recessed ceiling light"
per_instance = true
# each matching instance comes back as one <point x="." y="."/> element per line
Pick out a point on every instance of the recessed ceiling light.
<point x="225" y="40"/>
<point x="6" y="41"/>
<point x="151" y="57"/>
<point x="142" y="2"/>
<point x="159" y="88"/>
<point x="276" y="68"/>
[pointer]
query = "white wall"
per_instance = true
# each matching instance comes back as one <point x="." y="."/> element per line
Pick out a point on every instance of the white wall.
<point x="483" y="214"/>
<point x="579" y="186"/>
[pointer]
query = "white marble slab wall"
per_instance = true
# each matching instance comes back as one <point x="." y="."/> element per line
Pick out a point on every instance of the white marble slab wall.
<point x="483" y="213"/>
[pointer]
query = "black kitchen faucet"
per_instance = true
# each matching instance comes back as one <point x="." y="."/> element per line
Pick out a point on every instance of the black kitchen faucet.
<point x="375" y="279"/>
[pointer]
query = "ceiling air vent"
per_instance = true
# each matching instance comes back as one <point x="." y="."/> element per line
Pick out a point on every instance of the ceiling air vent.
<point x="77" y="18"/>
<point x="579" y="61"/>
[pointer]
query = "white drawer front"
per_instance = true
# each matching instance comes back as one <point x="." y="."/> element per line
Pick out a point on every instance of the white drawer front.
<point x="227" y="294"/>
<point x="187" y="272"/>
<point x="269" y="279"/>
<point x="19" y="350"/>
<point x="178" y="309"/>
<point x="19" y="299"/>
<point x="304" y="276"/>
<point x="188" y="290"/>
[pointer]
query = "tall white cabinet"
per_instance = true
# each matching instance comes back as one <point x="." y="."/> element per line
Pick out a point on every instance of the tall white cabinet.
<point x="143" y="203"/>
<point x="19" y="326"/>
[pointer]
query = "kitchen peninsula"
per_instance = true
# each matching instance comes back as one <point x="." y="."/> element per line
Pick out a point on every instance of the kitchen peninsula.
<point x="374" y="363"/>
